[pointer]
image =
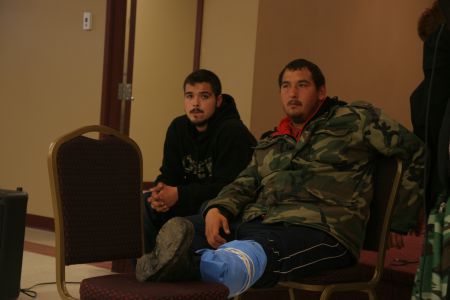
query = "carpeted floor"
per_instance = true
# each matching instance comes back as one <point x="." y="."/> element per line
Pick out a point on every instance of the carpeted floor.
<point x="38" y="267"/>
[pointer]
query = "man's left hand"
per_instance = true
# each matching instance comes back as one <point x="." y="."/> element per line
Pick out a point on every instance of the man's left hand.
<point x="168" y="195"/>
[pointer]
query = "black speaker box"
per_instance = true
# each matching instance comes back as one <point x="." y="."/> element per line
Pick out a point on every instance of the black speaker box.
<point x="13" y="206"/>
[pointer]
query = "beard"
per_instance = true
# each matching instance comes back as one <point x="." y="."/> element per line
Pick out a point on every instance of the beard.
<point x="297" y="119"/>
<point x="199" y="123"/>
<point x="295" y="116"/>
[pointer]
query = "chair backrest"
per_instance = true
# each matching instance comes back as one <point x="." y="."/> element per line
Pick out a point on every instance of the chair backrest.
<point x="387" y="177"/>
<point x="96" y="190"/>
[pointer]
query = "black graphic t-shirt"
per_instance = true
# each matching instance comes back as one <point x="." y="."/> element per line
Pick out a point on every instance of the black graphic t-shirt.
<point x="197" y="168"/>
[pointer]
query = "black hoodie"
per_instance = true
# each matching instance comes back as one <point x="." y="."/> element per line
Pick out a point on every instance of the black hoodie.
<point x="439" y="97"/>
<point x="200" y="164"/>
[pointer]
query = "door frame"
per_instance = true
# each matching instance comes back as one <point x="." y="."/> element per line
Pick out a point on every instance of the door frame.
<point x="114" y="58"/>
<point x="113" y="71"/>
<point x="114" y="61"/>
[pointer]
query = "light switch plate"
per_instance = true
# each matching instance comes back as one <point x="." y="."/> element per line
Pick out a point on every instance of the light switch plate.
<point x="87" y="20"/>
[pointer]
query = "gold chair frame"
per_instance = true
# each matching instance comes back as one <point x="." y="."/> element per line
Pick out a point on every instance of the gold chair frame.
<point x="56" y="196"/>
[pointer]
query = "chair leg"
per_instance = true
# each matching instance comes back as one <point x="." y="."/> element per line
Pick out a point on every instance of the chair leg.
<point x="372" y="294"/>
<point x="327" y="293"/>
<point x="291" y="294"/>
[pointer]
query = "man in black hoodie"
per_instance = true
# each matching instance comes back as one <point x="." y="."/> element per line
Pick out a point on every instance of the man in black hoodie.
<point x="204" y="150"/>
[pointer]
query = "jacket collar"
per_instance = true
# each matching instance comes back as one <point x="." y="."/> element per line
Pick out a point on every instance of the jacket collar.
<point x="286" y="127"/>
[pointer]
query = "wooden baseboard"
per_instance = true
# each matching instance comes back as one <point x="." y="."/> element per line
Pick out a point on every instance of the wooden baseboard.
<point x="40" y="222"/>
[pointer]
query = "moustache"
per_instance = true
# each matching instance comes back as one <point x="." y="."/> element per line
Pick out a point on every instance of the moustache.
<point x="294" y="102"/>
<point x="196" y="110"/>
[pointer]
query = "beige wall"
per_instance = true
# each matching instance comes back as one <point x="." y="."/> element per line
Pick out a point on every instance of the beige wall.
<point x="367" y="49"/>
<point x="164" y="52"/>
<point x="228" y="48"/>
<point x="51" y="70"/>
<point x="50" y="83"/>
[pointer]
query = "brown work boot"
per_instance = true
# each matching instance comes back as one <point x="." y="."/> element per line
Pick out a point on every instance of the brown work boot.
<point x="171" y="259"/>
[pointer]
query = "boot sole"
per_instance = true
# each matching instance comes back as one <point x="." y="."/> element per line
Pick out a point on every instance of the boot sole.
<point x="174" y="239"/>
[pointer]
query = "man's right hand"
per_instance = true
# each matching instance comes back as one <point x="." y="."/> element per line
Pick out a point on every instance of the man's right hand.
<point x="214" y="221"/>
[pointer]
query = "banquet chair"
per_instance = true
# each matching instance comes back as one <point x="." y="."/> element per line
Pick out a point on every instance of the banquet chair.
<point x="96" y="184"/>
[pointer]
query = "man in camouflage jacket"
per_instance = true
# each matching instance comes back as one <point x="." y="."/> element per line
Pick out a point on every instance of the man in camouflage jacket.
<point x="302" y="204"/>
<point x="324" y="180"/>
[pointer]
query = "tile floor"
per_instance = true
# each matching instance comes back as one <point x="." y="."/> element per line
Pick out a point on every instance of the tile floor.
<point x="38" y="266"/>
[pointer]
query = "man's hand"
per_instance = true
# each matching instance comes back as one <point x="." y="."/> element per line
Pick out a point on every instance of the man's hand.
<point x="155" y="201"/>
<point x="168" y="195"/>
<point x="163" y="197"/>
<point x="214" y="221"/>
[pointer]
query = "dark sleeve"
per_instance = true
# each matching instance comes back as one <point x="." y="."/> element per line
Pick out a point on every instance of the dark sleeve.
<point x="439" y="58"/>
<point x="428" y="106"/>
<point x="440" y="89"/>
<point x="233" y="151"/>
<point x="171" y="171"/>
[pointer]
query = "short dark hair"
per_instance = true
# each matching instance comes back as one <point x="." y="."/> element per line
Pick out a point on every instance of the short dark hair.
<point x="298" y="64"/>
<point x="430" y="20"/>
<point x="203" y="75"/>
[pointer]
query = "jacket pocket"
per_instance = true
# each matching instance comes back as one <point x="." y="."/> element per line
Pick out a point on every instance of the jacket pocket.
<point x="274" y="156"/>
<point x="330" y="146"/>
<point x="336" y="132"/>
<point x="333" y="197"/>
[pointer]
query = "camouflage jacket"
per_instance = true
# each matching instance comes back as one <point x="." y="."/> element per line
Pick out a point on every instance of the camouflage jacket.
<point x="325" y="179"/>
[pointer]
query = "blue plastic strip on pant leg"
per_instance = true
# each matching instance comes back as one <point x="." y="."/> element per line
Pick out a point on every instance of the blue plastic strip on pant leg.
<point x="237" y="264"/>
